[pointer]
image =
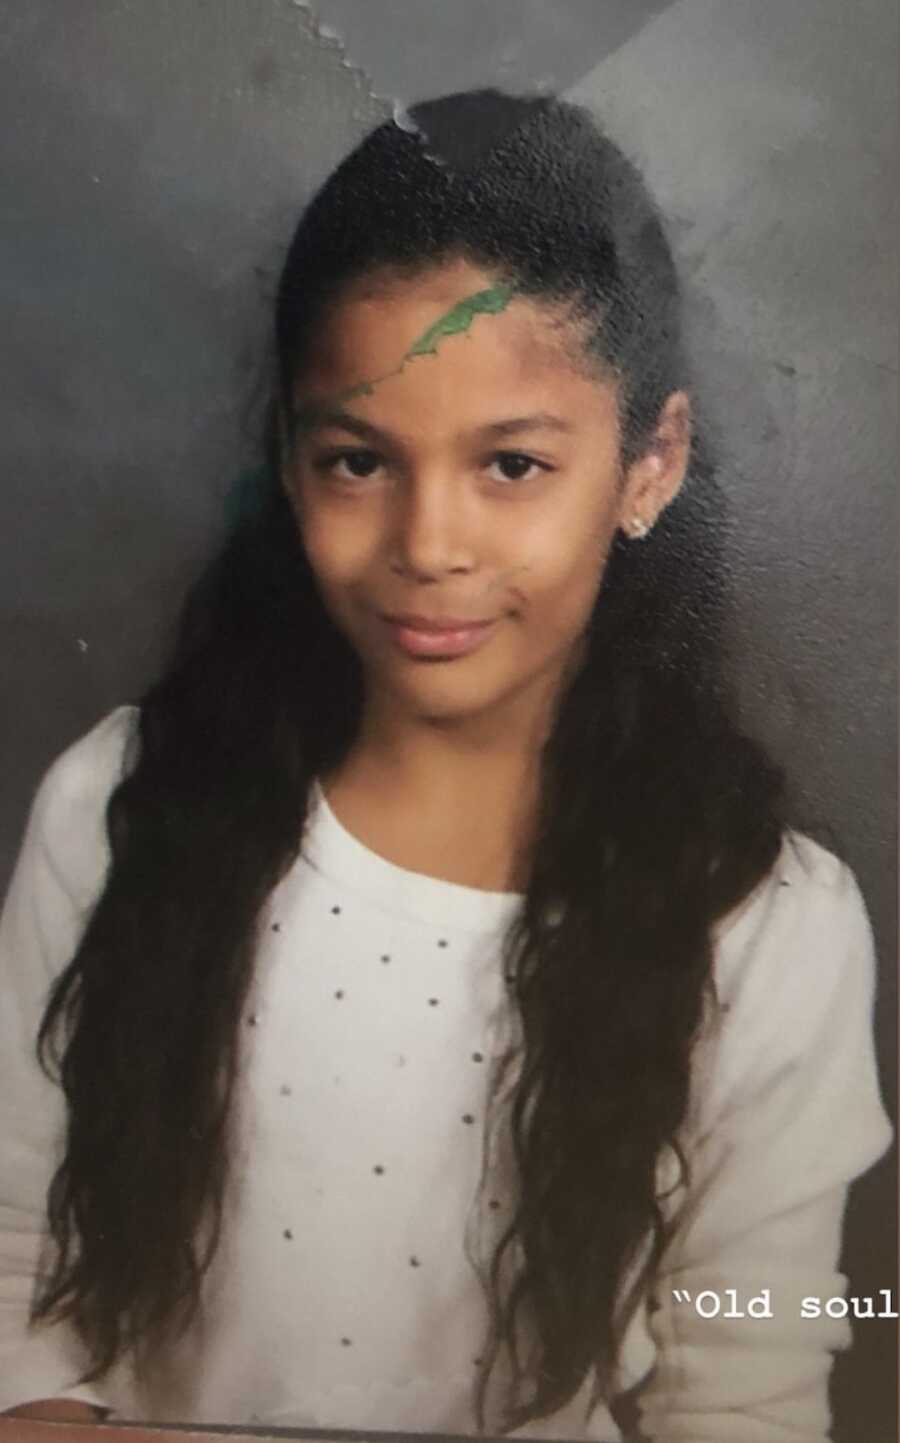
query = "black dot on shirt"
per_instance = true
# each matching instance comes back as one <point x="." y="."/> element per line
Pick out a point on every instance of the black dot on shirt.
<point x="287" y="1234"/>
<point x="378" y="1169"/>
<point x="467" y="1117"/>
<point x="253" y="1020"/>
<point x="385" y="957"/>
<point x="433" y="1001"/>
<point x="285" y="1090"/>
<point x="478" y="1362"/>
<point x="335" y="911"/>
<point x="784" y="883"/>
<point x="493" y="1204"/>
<point x="414" y="1262"/>
<point x="478" y="1057"/>
<point x="339" y="993"/>
<point x="276" y="926"/>
<point x="442" y="942"/>
<point x="346" y="1342"/>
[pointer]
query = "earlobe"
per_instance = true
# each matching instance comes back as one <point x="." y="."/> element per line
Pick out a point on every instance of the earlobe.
<point x="656" y="479"/>
<point x="637" y="528"/>
<point x="645" y="497"/>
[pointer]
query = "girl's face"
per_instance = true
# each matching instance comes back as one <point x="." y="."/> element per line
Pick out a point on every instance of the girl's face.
<point x="457" y="505"/>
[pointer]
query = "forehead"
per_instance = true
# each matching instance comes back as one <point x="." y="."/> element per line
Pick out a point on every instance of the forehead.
<point x="367" y="336"/>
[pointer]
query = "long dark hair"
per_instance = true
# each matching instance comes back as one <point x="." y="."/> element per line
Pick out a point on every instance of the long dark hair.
<point x="657" y="816"/>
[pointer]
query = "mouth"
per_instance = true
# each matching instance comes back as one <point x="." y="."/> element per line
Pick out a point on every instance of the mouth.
<point x="437" y="637"/>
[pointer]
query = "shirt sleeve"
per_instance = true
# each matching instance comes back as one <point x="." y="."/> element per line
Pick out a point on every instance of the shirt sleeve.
<point x="789" y="1112"/>
<point x="58" y="874"/>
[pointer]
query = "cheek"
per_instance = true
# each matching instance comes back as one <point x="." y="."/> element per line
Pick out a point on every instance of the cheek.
<point x="338" y="546"/>
<point x="563" y="577"/>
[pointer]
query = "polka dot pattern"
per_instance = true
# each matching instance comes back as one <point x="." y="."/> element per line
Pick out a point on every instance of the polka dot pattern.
<point x="371" y="1119"/>
<point x="378" y="1169"/>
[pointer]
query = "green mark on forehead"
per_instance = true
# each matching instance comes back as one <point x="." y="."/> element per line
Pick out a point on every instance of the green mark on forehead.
<point x="455" y="322"/>
<point x="458" y="320"/>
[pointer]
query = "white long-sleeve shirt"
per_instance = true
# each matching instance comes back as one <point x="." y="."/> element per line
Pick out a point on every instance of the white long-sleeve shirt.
<point x="341" y="1295"/>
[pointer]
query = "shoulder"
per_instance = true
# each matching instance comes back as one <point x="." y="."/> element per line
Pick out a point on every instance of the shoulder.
<point x="785" y="1068"/>
<point x="82" y="777"/>
<point x="796" y="969"/>
<point x="799" y="924"/>
<point x="68" y="815"/>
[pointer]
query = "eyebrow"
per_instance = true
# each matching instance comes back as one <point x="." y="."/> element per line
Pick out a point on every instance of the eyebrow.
<point x="315" y="417"/>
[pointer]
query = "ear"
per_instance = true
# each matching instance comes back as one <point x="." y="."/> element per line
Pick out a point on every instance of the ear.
<point x="654" y="480"/>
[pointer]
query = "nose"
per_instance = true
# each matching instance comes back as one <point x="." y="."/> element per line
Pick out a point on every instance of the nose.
<point x="432" y="531"/>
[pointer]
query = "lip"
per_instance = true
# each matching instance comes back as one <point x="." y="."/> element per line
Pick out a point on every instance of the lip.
<point x="443" y="636"/>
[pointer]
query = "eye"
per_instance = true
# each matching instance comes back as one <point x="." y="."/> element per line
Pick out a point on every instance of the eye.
<point x="515" y="466"/>
<point x="359" y="463"/>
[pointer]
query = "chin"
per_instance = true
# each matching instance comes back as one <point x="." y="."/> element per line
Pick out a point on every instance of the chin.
<point x="445" y="700"/>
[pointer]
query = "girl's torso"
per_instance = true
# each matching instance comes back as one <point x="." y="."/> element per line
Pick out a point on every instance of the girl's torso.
<point x="343" y="1294"/>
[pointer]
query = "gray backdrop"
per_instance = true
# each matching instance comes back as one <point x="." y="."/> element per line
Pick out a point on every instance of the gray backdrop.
<point x="156" y="157"/>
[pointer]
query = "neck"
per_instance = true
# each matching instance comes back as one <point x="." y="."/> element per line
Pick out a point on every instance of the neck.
<point x="450" y="797"/>
<point x="492" y="752"/>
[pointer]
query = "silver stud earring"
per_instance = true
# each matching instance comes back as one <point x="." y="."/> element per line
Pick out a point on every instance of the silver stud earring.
<point x="638" y="529"/>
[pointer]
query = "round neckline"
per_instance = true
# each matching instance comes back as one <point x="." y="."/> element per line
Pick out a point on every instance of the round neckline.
<point x="339" y="855"/>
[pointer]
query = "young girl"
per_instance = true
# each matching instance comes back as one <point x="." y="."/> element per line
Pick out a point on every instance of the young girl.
<point x="452" y="1032"/>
